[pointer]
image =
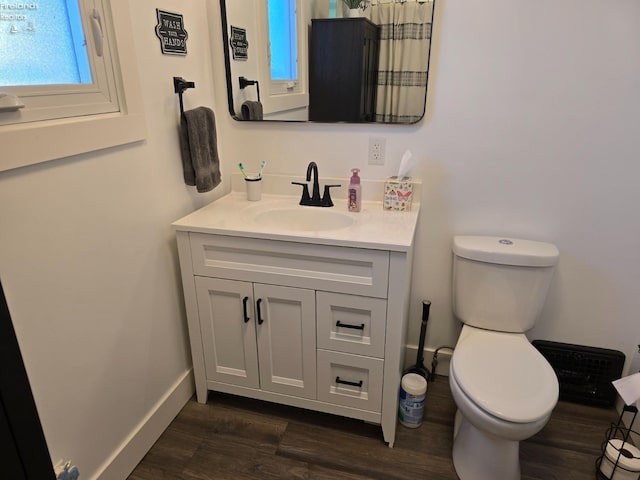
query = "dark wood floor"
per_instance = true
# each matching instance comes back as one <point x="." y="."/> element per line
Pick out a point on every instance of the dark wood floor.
<point x="242" y="439"/>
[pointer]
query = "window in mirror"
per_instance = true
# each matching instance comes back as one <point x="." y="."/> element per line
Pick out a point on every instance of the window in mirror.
<point x="283" y="40"/>
<point x="333" y="8"/>
<point x="283" y="31"/>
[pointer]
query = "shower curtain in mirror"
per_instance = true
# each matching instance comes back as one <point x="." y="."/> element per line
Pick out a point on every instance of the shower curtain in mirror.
<point x="405" y="36"/>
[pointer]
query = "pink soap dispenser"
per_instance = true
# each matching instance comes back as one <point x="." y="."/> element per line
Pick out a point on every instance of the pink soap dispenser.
<point x="355" y="194"/>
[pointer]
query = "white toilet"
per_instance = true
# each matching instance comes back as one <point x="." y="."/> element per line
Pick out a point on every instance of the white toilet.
<point x="503" y="387"/>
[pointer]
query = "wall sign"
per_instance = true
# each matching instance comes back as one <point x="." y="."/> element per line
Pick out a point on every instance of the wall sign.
<point x="239" y="43"/>
<point x="170" y="30"/>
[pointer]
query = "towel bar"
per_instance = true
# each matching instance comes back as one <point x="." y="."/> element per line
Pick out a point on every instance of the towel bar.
<point x="179" y="86"/>
<point x="244" y="82"/>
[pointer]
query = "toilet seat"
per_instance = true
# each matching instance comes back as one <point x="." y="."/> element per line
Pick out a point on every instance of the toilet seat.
<point x="504" y="375"/>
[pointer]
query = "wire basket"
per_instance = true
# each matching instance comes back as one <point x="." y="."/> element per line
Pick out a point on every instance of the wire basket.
<point x="620" y="459"/>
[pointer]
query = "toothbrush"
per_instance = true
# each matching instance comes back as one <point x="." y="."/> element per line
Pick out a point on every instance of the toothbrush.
<point x="241" y="167"/>
<point x="262" y="164"/>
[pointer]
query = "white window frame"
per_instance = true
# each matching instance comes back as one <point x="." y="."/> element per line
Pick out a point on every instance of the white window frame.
<point x="118" y="120"/>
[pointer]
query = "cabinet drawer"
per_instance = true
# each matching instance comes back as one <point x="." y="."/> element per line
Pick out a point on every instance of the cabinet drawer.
<point x="350" y="380"/>
<point x="319" y="267"/>
<point x="351" y="324"/>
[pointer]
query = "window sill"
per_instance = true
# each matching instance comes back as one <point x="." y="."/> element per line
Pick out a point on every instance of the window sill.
<point x="279" y="103"/>
<point x="28" y="144"/>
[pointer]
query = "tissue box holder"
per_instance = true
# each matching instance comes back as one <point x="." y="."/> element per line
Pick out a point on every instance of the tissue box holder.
<point x="398" y="194"/>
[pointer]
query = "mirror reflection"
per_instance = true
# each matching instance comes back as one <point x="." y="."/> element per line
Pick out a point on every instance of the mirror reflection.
<point x="320" y="61"/>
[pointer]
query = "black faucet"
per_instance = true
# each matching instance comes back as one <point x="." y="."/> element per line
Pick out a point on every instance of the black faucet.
<point x="314" y="200"/>
<point x="312" y="168"/>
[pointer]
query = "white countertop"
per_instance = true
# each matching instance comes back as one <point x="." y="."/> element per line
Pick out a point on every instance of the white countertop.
<point x="372" y="227"/>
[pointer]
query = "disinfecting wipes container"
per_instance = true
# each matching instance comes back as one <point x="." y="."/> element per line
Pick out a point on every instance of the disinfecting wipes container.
<point x="412" y="393"/>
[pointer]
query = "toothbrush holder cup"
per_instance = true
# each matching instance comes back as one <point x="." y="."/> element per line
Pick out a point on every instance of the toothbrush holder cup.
<point x="254" y="188"/>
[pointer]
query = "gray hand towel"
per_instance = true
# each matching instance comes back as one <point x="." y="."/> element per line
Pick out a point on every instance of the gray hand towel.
<point x="199" y="149"/>
<point x="252" y="110"/>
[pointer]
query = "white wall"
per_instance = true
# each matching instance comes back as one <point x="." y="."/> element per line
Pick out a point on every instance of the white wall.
<point x="242" y="15"/>
<point x="89" y="265"/>
<point x="531" y="131"/>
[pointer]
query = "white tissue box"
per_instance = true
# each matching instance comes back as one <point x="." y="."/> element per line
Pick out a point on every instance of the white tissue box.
<point x="398" y="194"/>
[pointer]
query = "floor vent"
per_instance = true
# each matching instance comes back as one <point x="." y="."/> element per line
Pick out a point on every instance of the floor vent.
<point x="584" y="373"/>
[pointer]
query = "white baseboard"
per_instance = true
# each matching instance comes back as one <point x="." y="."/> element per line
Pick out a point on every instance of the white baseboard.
<point x="444" y="356"/>
<point x="123" y="461"/>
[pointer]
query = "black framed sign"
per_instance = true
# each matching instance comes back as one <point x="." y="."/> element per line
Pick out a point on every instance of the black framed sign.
<point x="239" y="43"/>
<point x="170" y="30"/>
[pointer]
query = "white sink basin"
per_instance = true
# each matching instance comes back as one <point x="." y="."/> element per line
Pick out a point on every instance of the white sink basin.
<point x="304" y="219"/>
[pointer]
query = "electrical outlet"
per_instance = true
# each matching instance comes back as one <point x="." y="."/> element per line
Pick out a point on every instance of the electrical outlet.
<point x="377" y="147"/>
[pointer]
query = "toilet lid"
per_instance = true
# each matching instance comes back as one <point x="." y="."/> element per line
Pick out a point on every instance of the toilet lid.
<point x="505" y="375"/>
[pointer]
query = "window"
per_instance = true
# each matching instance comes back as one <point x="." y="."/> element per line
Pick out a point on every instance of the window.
<point x="283" y="40"/>
<point x="46" y="61"/>
<point x="58" y="57"/>
<point x="283" y="46"/>
<point x="26" y="60"/>
<point x="333" y="9"/>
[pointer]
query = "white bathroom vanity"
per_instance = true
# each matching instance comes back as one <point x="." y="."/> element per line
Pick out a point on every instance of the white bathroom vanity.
<point x="303" y="306"/>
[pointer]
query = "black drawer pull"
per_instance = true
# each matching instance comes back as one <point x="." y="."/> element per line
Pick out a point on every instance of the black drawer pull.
<point x="260" y="319"/>
<point x="345" y="382"/>
<point x="346" y="325"/>
<point x="244" y="308"/>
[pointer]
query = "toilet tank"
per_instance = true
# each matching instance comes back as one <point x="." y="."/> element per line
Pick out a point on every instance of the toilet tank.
<point x="501" y="283"/>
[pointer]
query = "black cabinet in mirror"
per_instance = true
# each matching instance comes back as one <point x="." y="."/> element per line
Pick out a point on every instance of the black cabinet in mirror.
<point x="319" y="61"/>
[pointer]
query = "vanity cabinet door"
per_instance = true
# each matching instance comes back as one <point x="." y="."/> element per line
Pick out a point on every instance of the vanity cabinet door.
<point x="228" y="340"/>
<point x="286" y="339"/>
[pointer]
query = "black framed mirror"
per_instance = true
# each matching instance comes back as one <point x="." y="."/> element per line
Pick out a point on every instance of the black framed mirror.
<point x="318" y="61"/>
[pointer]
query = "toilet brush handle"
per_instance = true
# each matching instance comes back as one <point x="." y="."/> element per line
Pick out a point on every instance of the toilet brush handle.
<point x="426" y="305"/>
